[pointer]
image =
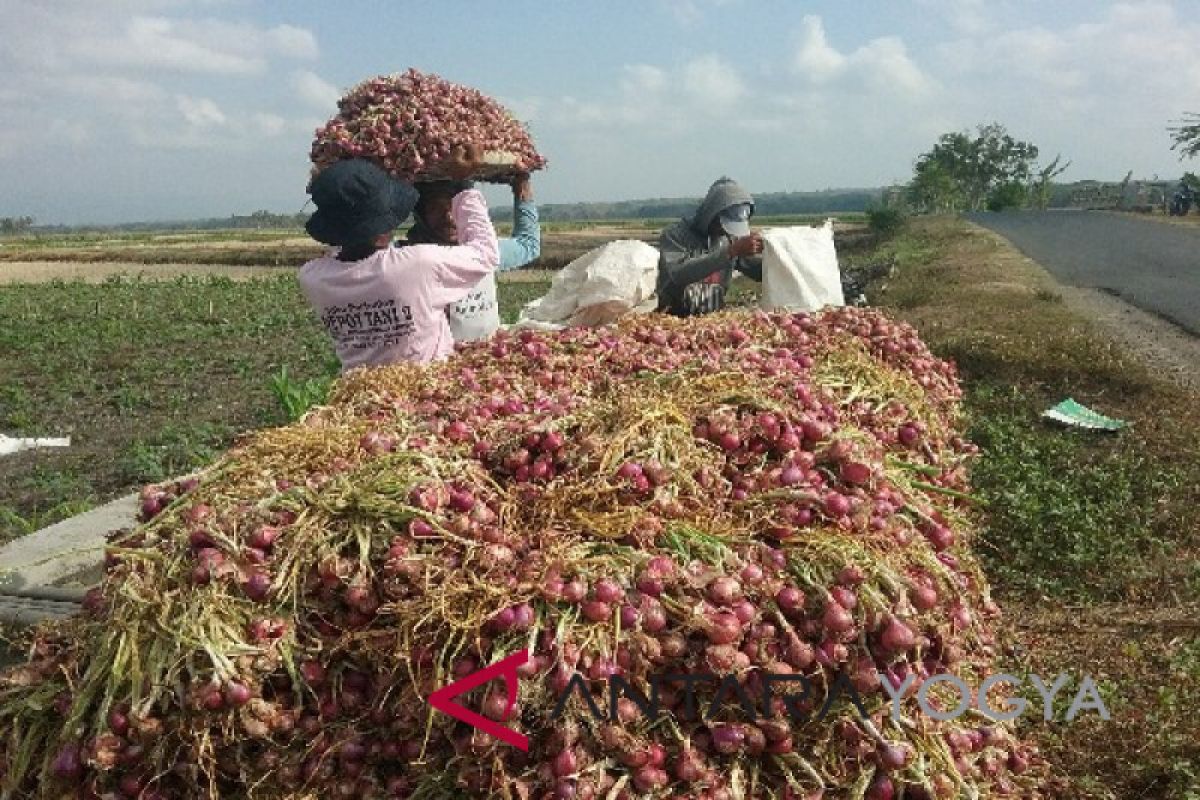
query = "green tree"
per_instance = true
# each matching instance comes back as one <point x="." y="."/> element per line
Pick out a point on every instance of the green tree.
<point x="1042" y="188"/>
<point x="965" y="172"/>
<point x="1186" y="133"/>
<point x="11" y="226"/>
<point x="934" y="190"/>
<point x="1012" y="194"/>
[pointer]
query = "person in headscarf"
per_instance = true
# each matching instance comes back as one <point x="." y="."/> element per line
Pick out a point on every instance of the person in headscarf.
<point x="382" y="304"/>
<point x="698" y="254"/>
<point x="477" y="316"/>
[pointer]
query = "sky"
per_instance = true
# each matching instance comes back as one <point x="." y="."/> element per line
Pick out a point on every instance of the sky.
<point x="136" y="110"/>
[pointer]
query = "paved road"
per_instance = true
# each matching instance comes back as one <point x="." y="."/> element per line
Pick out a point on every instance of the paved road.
<point x="1153" y="265"/>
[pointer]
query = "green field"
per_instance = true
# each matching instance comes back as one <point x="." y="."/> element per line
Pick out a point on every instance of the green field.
<point x="149" y="378"/>
<point x="291" y="247"/>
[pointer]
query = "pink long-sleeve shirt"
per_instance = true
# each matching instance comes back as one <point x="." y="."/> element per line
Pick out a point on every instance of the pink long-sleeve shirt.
<point x="391" y="306"/>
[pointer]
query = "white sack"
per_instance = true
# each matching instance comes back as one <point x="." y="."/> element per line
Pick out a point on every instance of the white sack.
<point x="800" y="269"/>
<point x="10" y="445"/>
<point x="597" y="288"/>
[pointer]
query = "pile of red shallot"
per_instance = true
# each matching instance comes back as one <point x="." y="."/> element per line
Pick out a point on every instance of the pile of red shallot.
<point x="409" y="123"/>
<point x="756" y="498"/>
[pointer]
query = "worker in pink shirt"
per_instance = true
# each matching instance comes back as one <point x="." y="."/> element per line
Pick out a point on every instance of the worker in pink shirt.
<point x="383" y="304"/>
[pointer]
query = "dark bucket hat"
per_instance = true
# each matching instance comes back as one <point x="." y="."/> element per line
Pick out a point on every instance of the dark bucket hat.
<point x="357" y="201"/>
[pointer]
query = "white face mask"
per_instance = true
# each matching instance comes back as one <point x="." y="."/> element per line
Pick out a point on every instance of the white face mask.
<point x="736" y="217"/>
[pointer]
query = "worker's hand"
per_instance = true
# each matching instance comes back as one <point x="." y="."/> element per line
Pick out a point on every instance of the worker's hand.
<point x="750" y="245"/>
<point x="522" y="187"/>
<point x="464" y="161"/>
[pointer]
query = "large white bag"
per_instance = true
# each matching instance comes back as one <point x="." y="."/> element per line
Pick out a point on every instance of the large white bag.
<point x="800" y="269"/>
<point x="10" y="445"/>
<point x="597" y="288"/>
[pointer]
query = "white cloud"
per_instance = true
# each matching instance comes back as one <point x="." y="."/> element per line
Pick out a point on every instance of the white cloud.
<point x="1134" y="54"/>
<point x="108" y="91"/>
<point x="815" y="59"/>
<point x="692" y="12"/>
<point x="82" y="37"/>
<point x="200" y="112"/>
<point x="882" y="64"/>
<point x="966" y="17"/>
<point x="155" y="42"/>
<point x="527" y="109"/>
<point x="687" y="12"/>
<point x="656" y="100"/>
<point x="315" y="91"/>
<point x="92" y="75"/>
<point x="886" y="65"/>
<point x="643" y="79"/>
<point x="711" y="79"/>
<point x="570" y="111"/>
<point x="12" y="142"/>
<point x="306" y="125"/>
<point x="269" y="124"/>
<point x="859" y="110"/>
<point x="74" y="132"/>
<point x="762" y="124"/>
<point x="288" y="40"/>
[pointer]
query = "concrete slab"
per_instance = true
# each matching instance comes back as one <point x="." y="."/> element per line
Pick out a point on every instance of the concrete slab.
<point x="70" y="552"/>
<point x="19" y="611"/>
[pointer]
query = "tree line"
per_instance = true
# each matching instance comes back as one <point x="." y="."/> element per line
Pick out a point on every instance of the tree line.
<point x="765" y="204"/>
<point x="11" y="226"/>
<point x="989" y="169"/>
<point x="986" y="170"/>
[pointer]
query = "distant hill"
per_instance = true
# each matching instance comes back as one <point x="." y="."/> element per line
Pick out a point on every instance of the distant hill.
<point x="773" y="203"/>
<point x="770" y="204"/>
<point x="259" y="220"/>
<point x="1082" y="193"/>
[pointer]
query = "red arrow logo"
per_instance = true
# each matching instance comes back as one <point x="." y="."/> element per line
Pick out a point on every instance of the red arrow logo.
<point x="443" y="699"/>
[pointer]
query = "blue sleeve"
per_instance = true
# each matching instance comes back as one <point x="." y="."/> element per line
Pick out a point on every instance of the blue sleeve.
<point x="525" y="245"/>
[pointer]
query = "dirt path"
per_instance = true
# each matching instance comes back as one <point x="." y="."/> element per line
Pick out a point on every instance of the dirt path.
<point x="1192" y="220"/>
<point x="99" y="271"/>
<point x="1171" y="351"/>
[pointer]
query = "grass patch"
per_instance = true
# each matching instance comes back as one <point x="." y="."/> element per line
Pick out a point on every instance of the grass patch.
<point x="296" y="397"/>
<point x="13" y="525"/>
<point x="150" y="379"/>
<point x="1074" y="514"/>
<point x="1090" y="539"/>
<point x="176" y="449"/>
<point x="1070" y="514"/>
<point x="514" y="296"/>
<point x="42" y="496"/>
